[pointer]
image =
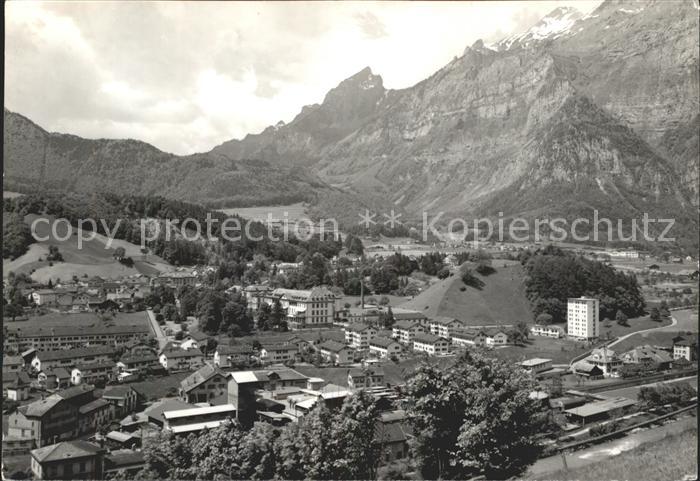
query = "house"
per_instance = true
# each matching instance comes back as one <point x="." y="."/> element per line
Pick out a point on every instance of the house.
<point x="358" y="335"/>
<point x="658" y="358"/>
<point x="68" y="460"/>
<point x="45" y="360"/>
<point x="140" y="362"/>
<point x="393" y="436"/>
<point x="227" y="356"/>
<point x="366" y="377"/>
<point x="278" y="353"/>
<point x="335" y="352"/>
<point x="384" y="347"/>
<point x="685" y="348"/>
<point x="555" y="332"/>
<point x="468" y="338"/>
<point x="57" y="378"/>
<point x="94" y="372"/>
<point x="181" y="360"/>
<point x="536" y="365"/>
<point x="444" y="326"/>
<point x="188" y="344"/>
<point x="495" y="337"/>
<point x="94" y="415"/>
<point x="175" y="279"/>
<point x="123" y="399"/>
<point x="15" y="385"/>
<point x="405" y="330"/>
<point x="208" y="384"/>
<point x="606" y="359"/>
<point x="12" y="363"/>
<point x="430" y="344"/>
<point x="587" y="370"/>
<point x="53" y="418"/>
<point x="44" y="297"/>
<point x="315" y="307"/>
<point x="410" y="315"/>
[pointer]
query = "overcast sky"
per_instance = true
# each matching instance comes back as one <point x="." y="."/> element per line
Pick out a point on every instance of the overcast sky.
<point x="188" y="76"/>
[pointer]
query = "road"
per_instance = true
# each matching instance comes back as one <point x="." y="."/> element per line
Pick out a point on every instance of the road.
<point x="674" y="321"/>
<point x="160" y="336"/>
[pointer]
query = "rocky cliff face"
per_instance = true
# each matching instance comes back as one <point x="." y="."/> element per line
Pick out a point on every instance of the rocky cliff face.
<point x="476" y="126"/>
<point x="580" y="112"/>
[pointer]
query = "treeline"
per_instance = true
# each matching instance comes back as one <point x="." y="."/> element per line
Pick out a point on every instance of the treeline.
<point x="554" y="275"/>
<point x="474" y="419"/>
<point x="16" y="236"/>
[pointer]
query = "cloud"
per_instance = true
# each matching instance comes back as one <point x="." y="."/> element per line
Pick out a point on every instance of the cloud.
<point x="186" y="76"/>
<point x="370" y="25"/>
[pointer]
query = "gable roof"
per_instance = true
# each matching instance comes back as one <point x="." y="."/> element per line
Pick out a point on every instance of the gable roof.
<point x="65" y="450"/>
<point x="200" y="376"/>
<point x="444" y="321"/>
<point x="177" y="353"/>
<point x="62" y="354"/>
<point x="425" y="338"/>
<point x="358" y="327"/>
<point x="405" y="324"/>
<point x="382" y="342"/>
<point x="40" y="407"/>
<point x="333" y="346"/>
<point x="225" y="350"/>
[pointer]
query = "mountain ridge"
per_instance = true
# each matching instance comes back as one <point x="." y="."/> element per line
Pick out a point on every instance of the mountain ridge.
<point x="600" y="106"/>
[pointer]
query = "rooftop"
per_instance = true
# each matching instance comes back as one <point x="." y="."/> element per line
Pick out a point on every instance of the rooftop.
<point x="65" y="450"/>
<point x="199" y="411"/>
<point x="600" y="407"/>
<point x="203" y="374"/>
<point x="74" y="353"/>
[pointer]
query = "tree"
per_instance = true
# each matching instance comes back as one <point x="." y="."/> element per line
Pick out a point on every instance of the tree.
<point x="654" y="315"/>
<point x="544" y="319"/>
<point x="12" y="311"/>
<point x="621" y="318"/>
<point x="119" y="253"/>
<point x="476" y="418"/>
<point x="443" y="273"/>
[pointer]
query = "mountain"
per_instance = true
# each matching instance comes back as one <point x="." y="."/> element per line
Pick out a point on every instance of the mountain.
<point x="580" y="112"/>
<point x="36" y="158"/>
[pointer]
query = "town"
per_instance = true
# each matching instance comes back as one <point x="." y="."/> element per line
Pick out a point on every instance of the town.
<point x="96" y="369"/>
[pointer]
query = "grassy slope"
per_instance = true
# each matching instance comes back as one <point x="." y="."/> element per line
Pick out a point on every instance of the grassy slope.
<point x="94" y="258"/>
<point x="501" y="301"/>
<point x="674" y="457"/>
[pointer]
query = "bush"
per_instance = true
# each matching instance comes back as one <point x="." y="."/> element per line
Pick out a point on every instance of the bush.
<point x="443" y="273"/>
<point x="485" y="269"/>
<point x="470" y="279"/>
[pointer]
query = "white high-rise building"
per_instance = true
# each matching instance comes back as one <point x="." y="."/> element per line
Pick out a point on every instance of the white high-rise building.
<point x="582" y="317"/>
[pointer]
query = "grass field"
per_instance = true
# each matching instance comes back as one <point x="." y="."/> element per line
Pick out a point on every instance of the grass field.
<point x="81" y="319"/>
<point x="501" y="301"/>
<point x="95" y="257"/>
<point x="294" y="212"/>
<point x="674" y="457"/>
<point x="560" y="351"/>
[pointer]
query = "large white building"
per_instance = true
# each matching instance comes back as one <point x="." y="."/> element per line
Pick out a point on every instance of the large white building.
<point x="315" y="307"/>
<point x="582" y="318"/>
